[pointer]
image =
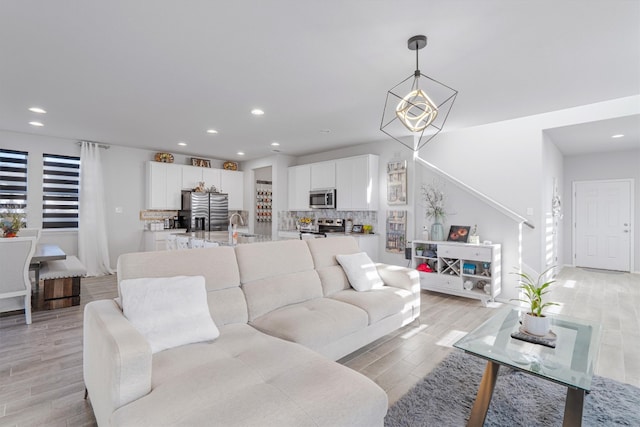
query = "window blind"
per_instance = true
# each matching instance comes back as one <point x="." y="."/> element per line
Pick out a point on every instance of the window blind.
<point x="13" y="181"/>
<point x="60" y="191"/>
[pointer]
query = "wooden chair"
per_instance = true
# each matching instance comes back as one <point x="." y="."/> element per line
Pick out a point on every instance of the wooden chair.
<point x="15" y="286"/>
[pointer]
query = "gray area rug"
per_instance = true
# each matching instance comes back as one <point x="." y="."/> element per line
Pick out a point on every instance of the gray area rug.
<point x="445" y="396"/>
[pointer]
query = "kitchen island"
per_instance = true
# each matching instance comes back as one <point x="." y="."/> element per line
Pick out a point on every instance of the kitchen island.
<point x="222" y="237"/>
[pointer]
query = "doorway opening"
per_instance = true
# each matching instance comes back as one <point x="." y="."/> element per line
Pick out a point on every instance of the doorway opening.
<point x="263" y="191"/>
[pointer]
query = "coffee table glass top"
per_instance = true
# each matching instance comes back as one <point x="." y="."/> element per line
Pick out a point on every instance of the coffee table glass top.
<point x="570" y="363"/>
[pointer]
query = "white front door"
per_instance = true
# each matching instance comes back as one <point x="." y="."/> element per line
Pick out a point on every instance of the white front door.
<point x="602" y="226"/>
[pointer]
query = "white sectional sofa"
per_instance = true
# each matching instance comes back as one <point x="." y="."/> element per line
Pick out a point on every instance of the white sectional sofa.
<point x="285" y="311"/>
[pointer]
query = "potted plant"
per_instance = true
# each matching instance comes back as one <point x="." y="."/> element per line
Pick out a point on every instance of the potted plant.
<point x="11" y="222"/>
<point x="534" y="321"/>
<point x="419" y="250"/>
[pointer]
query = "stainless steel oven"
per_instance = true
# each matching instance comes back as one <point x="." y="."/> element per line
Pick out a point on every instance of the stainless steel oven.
<point x="322" y="199"/>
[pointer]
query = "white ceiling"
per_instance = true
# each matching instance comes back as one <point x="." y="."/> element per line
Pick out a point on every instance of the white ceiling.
<point x="151" y="73"/>
<point x="595" y="137"/>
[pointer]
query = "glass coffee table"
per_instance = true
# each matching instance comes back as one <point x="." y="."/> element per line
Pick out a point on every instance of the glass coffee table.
<point x="570" y="363"/>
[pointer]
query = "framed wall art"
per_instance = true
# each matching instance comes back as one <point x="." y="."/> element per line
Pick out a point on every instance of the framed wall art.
<point x="459" y="233"/>
<point x="396" y="231"/>
<point x="397" y="182"/>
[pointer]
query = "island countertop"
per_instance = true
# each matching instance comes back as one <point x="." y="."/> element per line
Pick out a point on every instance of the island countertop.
<point x="222" y="237"/>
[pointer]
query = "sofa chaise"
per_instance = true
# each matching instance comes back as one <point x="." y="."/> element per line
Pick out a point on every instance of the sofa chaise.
<point x="285" y="311"/>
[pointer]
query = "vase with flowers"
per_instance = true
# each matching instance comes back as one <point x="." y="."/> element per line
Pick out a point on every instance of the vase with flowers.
<point x="11" y="222"/>
<point x="434" y="208"/>
<point x="304" y="223"/>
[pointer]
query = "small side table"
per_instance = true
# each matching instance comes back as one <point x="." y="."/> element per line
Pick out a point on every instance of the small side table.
<point x="570" y="363"/>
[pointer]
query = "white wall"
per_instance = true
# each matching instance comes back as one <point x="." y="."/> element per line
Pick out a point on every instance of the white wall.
<point x="601" y="166"/>
<point x="552" y="227"/>
<point x="506" y="161"/>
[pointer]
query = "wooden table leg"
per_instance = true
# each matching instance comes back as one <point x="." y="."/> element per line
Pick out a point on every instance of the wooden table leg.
<point x="485" y="391"/>
<point x="573" y="408"/>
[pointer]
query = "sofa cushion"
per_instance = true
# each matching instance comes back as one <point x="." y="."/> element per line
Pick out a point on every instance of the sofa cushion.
<point x="218" y="266"/>
<point x="361" y="271"/>
<point x="314" y="323"/>
<point x="382" y="303"/>
<point x="276" y="274"/>
<point x="247" y="378"/>
<point x="324" y="251"/>
<point x="168" y="312"/>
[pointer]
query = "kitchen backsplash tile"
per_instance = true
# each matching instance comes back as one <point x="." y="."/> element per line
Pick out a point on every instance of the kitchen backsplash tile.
<point x="287" y="219"/>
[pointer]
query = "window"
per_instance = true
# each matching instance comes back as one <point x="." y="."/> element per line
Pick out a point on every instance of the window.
<point x="13" y="181"/>
<point x="60" y="191"/>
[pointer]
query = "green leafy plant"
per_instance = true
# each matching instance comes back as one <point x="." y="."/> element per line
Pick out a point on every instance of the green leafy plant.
<point x="534" y="291"/>
<point x="11" y="221"/>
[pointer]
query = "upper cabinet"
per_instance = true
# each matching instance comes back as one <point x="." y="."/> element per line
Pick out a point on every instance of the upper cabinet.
<point x="354" y="178"/>
<point x="232" y="183"/>
<point x="164" y="183"/>
<point x="192" y="176"/>
<point x="357" y="183"/>
<point x="299" y="185"/>
<point x="323" y="175"/>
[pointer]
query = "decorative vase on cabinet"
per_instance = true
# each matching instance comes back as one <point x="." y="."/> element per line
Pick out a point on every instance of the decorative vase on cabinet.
<point x="437" y="230"/>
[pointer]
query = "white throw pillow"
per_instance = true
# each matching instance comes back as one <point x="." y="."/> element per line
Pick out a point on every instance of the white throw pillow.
<point x="360" y="271"/>
<point x="168" y="311"/>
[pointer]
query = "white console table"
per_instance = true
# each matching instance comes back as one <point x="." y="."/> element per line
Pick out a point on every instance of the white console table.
<point x="459" y="268"/>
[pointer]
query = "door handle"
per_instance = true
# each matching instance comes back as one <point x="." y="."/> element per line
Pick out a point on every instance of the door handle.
<point x="626" y="231"/>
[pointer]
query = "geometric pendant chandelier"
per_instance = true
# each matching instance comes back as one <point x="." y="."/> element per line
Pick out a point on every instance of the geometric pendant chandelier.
<point x="416" y="108"/>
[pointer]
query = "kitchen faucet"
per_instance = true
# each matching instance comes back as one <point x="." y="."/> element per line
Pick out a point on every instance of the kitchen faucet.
<point x="238" y="215"/>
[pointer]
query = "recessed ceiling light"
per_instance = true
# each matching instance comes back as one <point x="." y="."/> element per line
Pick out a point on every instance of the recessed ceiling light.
<point x="619" y="135"/>
<point x="37" y="124"/>
<point x="275" y="144"/>
<point x="37" y="110"/>
<point x="257" y="112"/>
<point x="182" y="144"/>
<point x="240" y="153"/>
<point x="212" y="131"/>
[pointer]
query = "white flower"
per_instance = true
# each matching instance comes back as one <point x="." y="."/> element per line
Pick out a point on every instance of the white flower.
<point x="434" y="201"/>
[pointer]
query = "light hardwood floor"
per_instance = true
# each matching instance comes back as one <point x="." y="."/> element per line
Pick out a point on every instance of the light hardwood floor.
<point x="41" y="364"/>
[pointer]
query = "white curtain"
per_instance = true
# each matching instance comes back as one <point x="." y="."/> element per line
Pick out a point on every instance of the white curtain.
<point x="93" y="248"/>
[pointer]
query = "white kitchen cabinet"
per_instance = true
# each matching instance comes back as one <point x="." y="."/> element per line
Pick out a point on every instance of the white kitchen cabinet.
<point x="467" y="270"/>
<point x="164" y="183"/>
<point x="323" y="175"/>
<point x="357" y="183"/>
<point x="299" y="178"/>
<point x="192" y="176"/>
<point x="232" y="183"/>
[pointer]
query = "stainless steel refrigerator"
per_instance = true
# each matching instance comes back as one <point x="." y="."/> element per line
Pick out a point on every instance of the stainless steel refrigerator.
<point x="205" y="211"/>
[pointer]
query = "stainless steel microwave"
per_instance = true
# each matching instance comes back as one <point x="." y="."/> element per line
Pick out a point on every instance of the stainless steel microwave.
<point x="322" y="199"/>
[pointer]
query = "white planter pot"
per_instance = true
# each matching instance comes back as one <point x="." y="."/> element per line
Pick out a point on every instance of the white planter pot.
<point x="535" y="325"/>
